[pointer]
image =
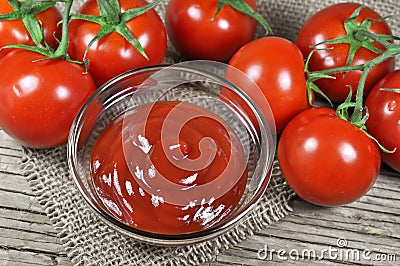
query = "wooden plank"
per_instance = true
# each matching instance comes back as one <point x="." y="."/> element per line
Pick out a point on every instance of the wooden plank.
<point x="19" y="201"/>
<point x="28" y="240"/>
<point x="236" y="256"/>
<point x="310" y="230"/>
<point x="23" y="258"/>
<point x="28" y="226"/>
<point x="15" y="183"/>
<point x="27" y="237"/>
<point x="10" y="156"/>
<point x="371" y="224"/>
<point x="7" y="141"/>
<point x="24" y="216"/>
<point x="9" y="164"/>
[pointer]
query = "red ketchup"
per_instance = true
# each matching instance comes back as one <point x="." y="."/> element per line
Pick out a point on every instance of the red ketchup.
<point x="169" y="168"/>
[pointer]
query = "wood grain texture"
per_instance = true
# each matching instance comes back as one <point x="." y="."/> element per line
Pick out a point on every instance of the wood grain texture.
<point x="370" y="225"/>
<point x="27" y="236"/>
<point x="370" y="228"/>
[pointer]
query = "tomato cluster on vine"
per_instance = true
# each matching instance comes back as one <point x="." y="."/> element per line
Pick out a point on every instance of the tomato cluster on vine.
<point x="328" y="155"/>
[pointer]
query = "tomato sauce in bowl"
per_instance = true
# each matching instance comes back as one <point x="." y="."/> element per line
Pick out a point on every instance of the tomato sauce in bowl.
<point x="169" y="168"/>
<point x="159" y="155"/>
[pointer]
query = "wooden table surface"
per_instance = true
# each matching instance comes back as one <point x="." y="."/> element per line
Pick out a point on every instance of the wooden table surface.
<point x="366" y="232"/>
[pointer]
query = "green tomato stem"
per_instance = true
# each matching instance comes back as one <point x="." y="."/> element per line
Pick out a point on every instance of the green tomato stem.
<point x="382" y="39"/>
<point x="112" y="20"/>
<point x="330" y="71"/>
<point x="391" y="51"/>
<point x="63" y="46"/>
<point x="26" y="11"/>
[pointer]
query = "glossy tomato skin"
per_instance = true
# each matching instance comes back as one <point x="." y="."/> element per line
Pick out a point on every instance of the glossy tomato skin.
<point x="14" y="31"/>
<point x="196" y="36"/>
<point x="332" y="18"/>
<point x="39" y="100"/>
<point x="384" y="117"/>
<point x="326" y="160"/>
<point x="277" y="67"/>
<point x="113" y="55"/>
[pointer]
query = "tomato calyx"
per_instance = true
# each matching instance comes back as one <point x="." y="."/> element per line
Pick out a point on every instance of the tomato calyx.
<point x="358" y="35"/>
<point x="244" y="8"/>
<point x="111" y="19"/>
<point x="392" y="49"/>
<point x="359" y="114"/>
<point x="46" y="50"/>
<point x="26" y="11"/>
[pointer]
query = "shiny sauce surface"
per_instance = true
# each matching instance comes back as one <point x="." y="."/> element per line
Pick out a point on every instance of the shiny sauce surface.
<point x="169" y="167"/>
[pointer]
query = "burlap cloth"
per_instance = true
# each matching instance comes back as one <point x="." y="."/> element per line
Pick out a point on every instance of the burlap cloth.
<point x="90" y="242"/>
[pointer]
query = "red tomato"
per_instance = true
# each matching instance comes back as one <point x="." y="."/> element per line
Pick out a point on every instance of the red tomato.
<point x="277" y="67"/>
<point x="113" y="54"/>
<point x="384" y="117"/>
<point x="332" y="18"/>
<point x="40" y="99"/>
<point x="327" y="160"/>
<point x="14" y="31"/>
<point x="195" y="34"/>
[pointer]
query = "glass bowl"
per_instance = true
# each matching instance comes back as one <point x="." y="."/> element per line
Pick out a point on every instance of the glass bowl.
<point x="207" y="86"/>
